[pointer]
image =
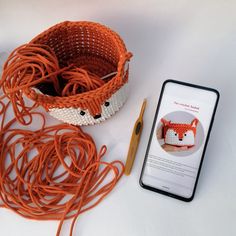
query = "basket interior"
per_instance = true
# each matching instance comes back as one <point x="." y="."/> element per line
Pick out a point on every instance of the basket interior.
<point x="87" y="45"/>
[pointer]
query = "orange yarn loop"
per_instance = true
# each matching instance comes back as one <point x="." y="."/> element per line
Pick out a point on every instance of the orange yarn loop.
<point x="80" y="81"/>
<point x="52" y="172"/>
<point x="32" y="66"/>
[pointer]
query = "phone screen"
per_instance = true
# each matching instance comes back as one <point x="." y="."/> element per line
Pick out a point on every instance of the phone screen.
<point x="178" y="140"/>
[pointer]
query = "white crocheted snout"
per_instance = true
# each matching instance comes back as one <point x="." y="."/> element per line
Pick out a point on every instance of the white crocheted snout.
<point x="78" y="116"/>
<point x="173" y="138"/>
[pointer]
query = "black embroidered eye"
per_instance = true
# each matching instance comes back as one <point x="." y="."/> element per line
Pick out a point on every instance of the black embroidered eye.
<point x="107" y="104"/>
<point x="185" y="134"/>
<point x="82" y="113"/>
<point x="175" y="134"/>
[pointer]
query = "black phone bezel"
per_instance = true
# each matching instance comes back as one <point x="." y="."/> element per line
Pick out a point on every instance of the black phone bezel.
<point x="204" y="149"/>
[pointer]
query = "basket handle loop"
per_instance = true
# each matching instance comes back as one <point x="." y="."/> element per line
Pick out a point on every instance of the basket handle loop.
<point x="123" y="66"/>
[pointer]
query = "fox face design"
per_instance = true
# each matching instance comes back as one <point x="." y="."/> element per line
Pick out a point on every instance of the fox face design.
<point x="179" y="134"/>
<point x="79" y="116"/>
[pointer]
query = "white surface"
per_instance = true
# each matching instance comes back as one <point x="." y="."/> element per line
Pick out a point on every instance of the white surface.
<point x="193" y="41"/>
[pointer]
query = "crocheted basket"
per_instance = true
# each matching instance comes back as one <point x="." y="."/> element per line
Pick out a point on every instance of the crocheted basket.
<point x="179" y="134"/>
<point x="103" y="53"/>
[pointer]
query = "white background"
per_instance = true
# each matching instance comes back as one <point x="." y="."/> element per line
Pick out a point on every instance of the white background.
<point x="193" y="41"/>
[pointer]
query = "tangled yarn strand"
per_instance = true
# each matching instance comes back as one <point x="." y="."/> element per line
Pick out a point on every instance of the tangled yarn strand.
<point x="49" y="172"/>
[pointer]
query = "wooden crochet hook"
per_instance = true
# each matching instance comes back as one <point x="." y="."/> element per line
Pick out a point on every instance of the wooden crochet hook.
<point x="134" y="141"/>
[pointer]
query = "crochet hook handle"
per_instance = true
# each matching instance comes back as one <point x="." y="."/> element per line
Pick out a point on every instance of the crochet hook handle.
<point x="134" y="142"/>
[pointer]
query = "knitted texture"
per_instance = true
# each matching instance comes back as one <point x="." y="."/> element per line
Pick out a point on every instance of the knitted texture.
<point x="179" y="134"/>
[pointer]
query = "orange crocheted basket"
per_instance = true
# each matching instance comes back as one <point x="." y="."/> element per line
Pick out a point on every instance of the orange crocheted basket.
<point x="102" y="52"/>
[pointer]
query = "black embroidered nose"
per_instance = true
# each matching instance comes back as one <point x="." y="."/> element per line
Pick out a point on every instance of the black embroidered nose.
<point x="97" y="116"/>
<point x="180" y="139"/>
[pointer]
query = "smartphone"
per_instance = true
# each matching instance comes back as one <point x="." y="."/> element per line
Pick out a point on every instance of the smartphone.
<point x="178" y="140"/>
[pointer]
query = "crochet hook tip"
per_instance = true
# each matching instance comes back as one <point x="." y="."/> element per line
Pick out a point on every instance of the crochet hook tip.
<point x="143" y="107"/>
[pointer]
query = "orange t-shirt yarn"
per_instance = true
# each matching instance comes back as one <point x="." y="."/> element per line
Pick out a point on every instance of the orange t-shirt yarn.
<point x="49" y="172"/>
